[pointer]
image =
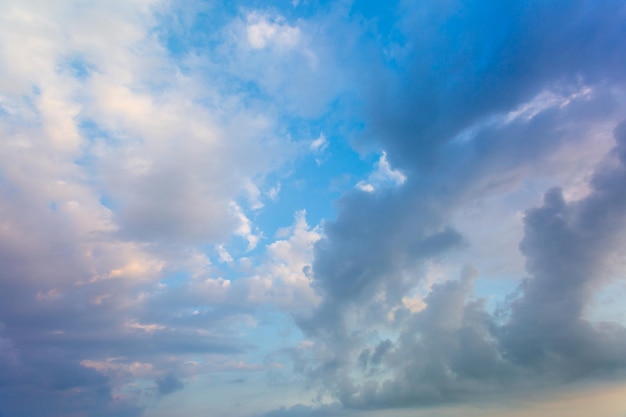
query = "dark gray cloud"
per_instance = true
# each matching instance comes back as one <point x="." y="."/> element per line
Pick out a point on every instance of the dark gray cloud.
<point x="169" y="384"/>
<point x="567" y="247"/>
<point x="451" y="114"/>
<point x="47" y="382"/>
<point x="353" y="258"/>
<point x="455" y="350"/>
<point x="372" y="254"/>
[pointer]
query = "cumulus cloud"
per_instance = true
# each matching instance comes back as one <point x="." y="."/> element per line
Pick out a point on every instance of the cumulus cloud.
<point x="547" y="336"/>
<point x="456" y="350"/>
<point x="281" y="278"/>
<point x="567" y="247"/>
<point x="117" y="164"/>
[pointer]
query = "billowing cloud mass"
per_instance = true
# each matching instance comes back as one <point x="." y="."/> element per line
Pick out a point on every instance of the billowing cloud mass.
<point x="311" y="209"/>
<point x="470" y="116"/>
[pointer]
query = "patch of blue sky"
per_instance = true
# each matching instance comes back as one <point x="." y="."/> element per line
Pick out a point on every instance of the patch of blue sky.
<point x="197" y="27"/>
<point x="175" y="278"/>
<point x="271" y="338"/>
<point x="193" y="28"/>
<point x="314" y="186"/>
<point x="31" y="115"/>
<point x="495" y="290"/>
<point x="328" y="170"/>
<point x="206" y="314"/>
<point x="109" y="202"/>
<point x="311" y="182"/>
<point x="382" y="17"/>
<point x="22" y="111"/>
<point x="315" y="183"/>
<point x="93" y="133"/>
<point x="273" y="331"/>
<point x="232" y="270"/>
<point x="233" y="393"/>
<point x="77" y="66"/>
<point x="289" y="9"/>
<point x="247" y="92"/>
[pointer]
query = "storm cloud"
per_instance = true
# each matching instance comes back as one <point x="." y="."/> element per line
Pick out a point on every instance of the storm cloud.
<point x="481" y="96"/>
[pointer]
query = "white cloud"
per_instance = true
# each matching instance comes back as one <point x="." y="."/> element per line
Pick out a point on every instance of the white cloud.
<point x="263" y="31"/>
<point x="364" y="186"/>
<point x="281" y="276"/>
<point x="244" y="229"/>
<point x="116" y="171"/>
<point x="382" y="176"/>
<point x="273" y="192"/>
<point x="223" y="254"/>
<point x="320" y="144"/>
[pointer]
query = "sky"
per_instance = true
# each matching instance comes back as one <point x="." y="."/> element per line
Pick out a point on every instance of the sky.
<point x="312" y="208"/>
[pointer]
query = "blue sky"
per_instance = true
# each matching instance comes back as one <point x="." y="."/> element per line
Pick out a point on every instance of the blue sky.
<point x="309" y="208"/>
